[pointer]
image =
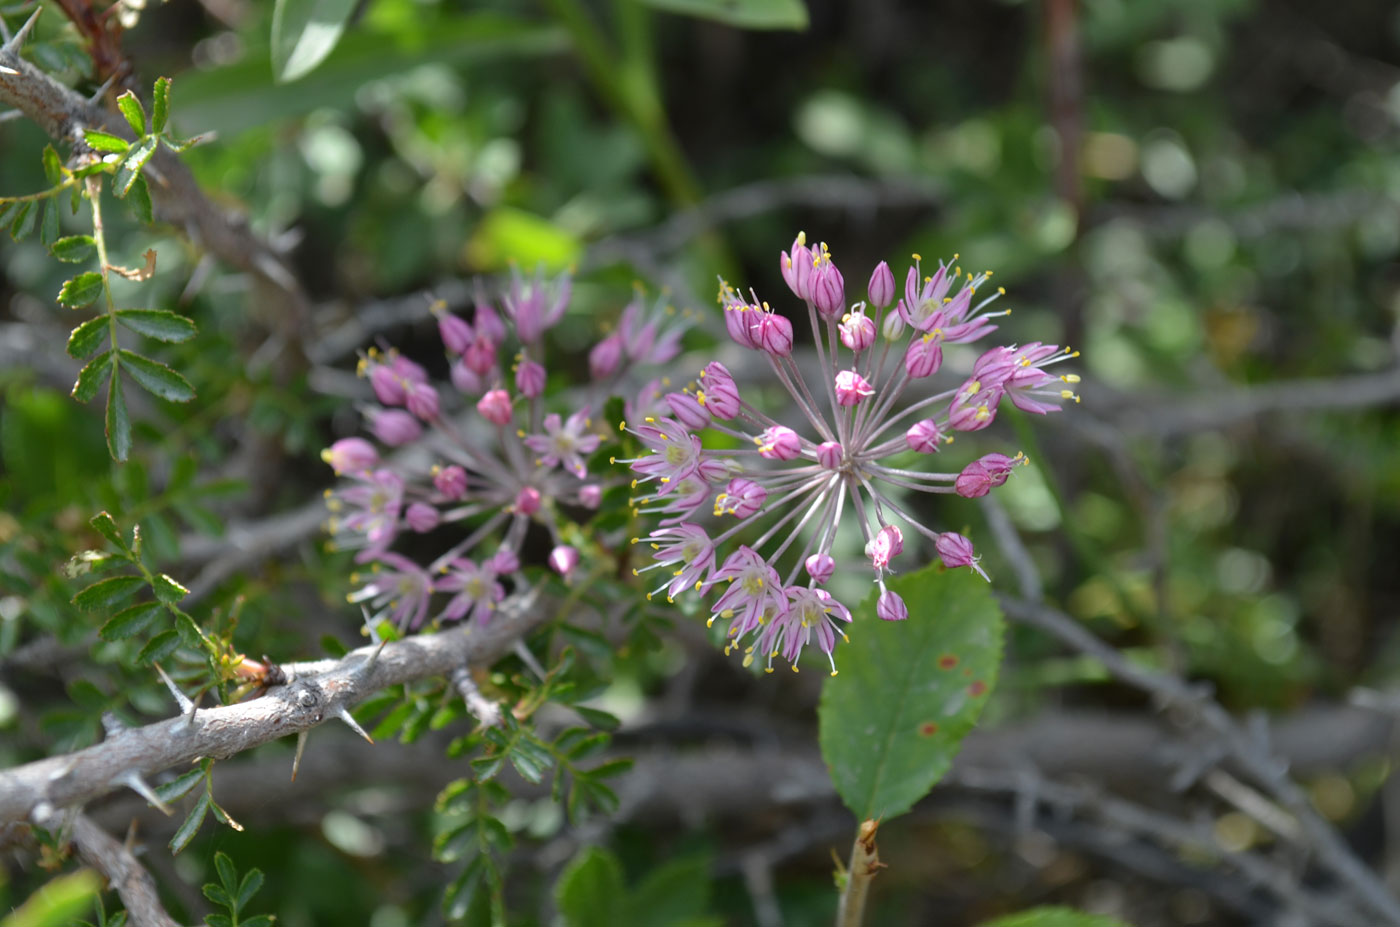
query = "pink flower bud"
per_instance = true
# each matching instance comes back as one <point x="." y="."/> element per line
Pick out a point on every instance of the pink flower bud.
<point x="350" y="455"/>
<point x="395" y="427"/>
<point x="451" y="481"/>
<point x="465" y="380"/>
<point x="456" y="333"/>
<point x="503" y="561"/>
<point x="603" y="360"/>
<point x="924" y="357"/>
<point x="527" y="501"/>
<point x="796" y="266"/>
<point x="956" y="551"/>
<point x="688" y="410"/>
<point x="741" y="498"/>
<point x="739" y="321"/>
<point x="985" y="474"/>
<point x="893" y="326"/>
<point x="924" y="437"/>
<point x="480" y="356"/>
<point x="857" y="331"/>
<point x="891" y="607"/>
<point x="408" y="370"/>
<point x="852" y="388"/>
<point x="423" y="401"/>
<point x="829" y="454"/>
<point x="779" y="443"/>
<point x="590" y="495"/>
<point x="563" y="559"/>
<point x="881" y="289"/>
<point x="887" y="544"/>
<point x="720" y="390"/>
<point x="488" y="321"/>
<point x="773" y="333"/>
<point x="495" y="407"/>
<point x="421" y="517"/>
<point x="828" y="289"/>
<point x="820" y="567"/>
<point x="974" y="412"/>
<point x="388" y="386"/>
<point x="529" y="379"/>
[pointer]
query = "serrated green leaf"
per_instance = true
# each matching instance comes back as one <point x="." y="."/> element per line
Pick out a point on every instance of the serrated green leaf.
<point x="1054" y="917"/>
<point x="168" y="590"/>
<point x="178" y="787"/>
<point x="88" y="337"/>
<point x="105" y="593"/>
<point x="217" y="920"/>
<point x="159" y="647"/>
<point x="92" y="376"/>
<point x="131" y="621"/>
<point x="22" y="222"/>
<point x="53" y="166"/>
<point x="48" y="230"/>
<point x="81" y="290"/>
<point x="159" y="324"/>
<point x="106" y="526"/>
<point x="131" y="167"/>
<point x="134" y="112"/>
<point x="746" y="14"/>
<point x="599" y="719"/>
<point x="589" y="892"/>
<point x="217" y="895"/>
<point x="160" y="104"/>
<point x="105" y="141"/>
<point x="156" y="378"/>
<point x="191" y="825"/>
<point x="228" y="873"/>
<point x="139" y="199"/>
<point x="304" y="32"/>
<point x="73" y="249"/>
<point x="252" y="881"/>
<point x="118" y="422"/>
<point x="909" y="691"/>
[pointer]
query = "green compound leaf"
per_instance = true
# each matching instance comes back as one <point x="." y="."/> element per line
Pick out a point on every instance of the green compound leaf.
<point x="909" y="691"/>
<point x="134" y="112"/>
<point x="81" y="290"/>
<point x="87" y="337"/>
<point x="159" y="647"/>
<point x="158" y="324"/>
<point x="105" y="141"/>
<point x="1055" y="917"/>
<point x="118" y="421"/>
<point x="74" y="249"/>
<point x="155" y="377"/>
<point x="304" y="32"/>
<point x="191" y="826"/>
<point x="746" y="14"/>
<point x="91" y="378"/>
<point x="160" y="105"/>
<point x="131" y="621"/>
<point x="108" y="592"/>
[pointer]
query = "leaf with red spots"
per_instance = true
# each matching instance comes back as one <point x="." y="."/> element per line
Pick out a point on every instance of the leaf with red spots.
<point x="909" y="691"/>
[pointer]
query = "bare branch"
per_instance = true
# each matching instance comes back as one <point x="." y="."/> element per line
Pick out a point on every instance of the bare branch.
<point x="132" y="883"/>
<point x="317" y="691"/>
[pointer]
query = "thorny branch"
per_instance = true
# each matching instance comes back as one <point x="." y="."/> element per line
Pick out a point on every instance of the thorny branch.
<point x="315" y="692"/>
<point x="128" y="878"/>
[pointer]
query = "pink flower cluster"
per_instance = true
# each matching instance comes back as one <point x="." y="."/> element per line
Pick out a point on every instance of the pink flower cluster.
<point x="505" y="462"/>
<point x="853" y="450"/>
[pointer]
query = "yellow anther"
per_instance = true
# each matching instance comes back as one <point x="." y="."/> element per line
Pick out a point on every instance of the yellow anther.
<point x="1001" y="290"/>
<point x="916" y="257"/>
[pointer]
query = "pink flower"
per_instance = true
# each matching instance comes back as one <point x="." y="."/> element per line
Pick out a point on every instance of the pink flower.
<point x="365" y="514"/>
<point x="564" y="443"/>
<point x="852" y="388"/>
<point x="887" y="544"/>
<point x="396" y="428"/>
<point x="688" y="410"/>
<point x="530" y="379"/>
<point x="476" y="588"/>
<point x="890" y="607"/>
<point x="828" y="286"/>
<point x="881" y="288"/>
<point x="923" y="358"/>
<point x="465" y="379"/>
<point x="538" y="304"/>
<point x="796" y="266"/>
<point x="820" y="567"/>
<point x="590" y="495"/>
<point x="451" y="481"/>
<point x="829" y="455"/>
<point x="495" y="407"/>
<point x="402" y="590"/>
<point x="350" y="455"/>
<point x="686" y="547"/>
<point x="773" y="333"/>
<point x="605" y="357"/>
<point x="741" y="498"/>
<point x="857" y="331"/>
<point x="924" y="437"/>
<point x="527" y="501"/>
<point x="456" y="333"/>
<point x="721" y="394"/>
<point x="563" y="560"/>
<point x="985" y="474"/>
<point x="422" y="401"/>
<point x="779" y="442"/>
<point x="421" y="517"/>
<point x="956" y="551"/>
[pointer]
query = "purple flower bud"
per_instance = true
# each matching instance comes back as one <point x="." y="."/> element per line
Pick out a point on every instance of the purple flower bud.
<point x="985" y="474"/>
<point x="720" y="391"/>
<point x="796" y="266"/>
<point x="527" y="501"/>
<point x="974" y="408"/>
<point x="495" y="407"/>
<point x="408" y="370"/>
<point x="887" y="544"/>
<point x="590" y="495"/>
<point x="563" y="559"/>
<point x="828" y="289"/>
<point x="924" y="437"/>
<point x="465" y="380"/>
<point x="774" y="334"/>
<point x="480" y="356"/>
<point x="603" y="360"/>
<point x="456" y="333"/>
<point x="741" y="498"/>
<point x="829" y="454"/>
<point x="421" y="517"/>
<point x="451" y="481"/>
<point x="891" y="607"/>
<point x="852" y="388"/>
<point x="388" y="386"/>
<point x="688" y="410"/>
<point x="738" y="321"/>
<point x="881" y="287"/>
<point x="350" y="455"/>
<point x="395" y="427"/>
<point x="924" y="357"/>
<point x="779" y="443"/>
<point x="820" y="567"/>
<point x="956" y="551"/>
<point x="423" y="401"/>
<point x="529" y="378"/>
<point x="503" y="561"/>
<point x="488" y="321"/>
<point x="857" y="331"/>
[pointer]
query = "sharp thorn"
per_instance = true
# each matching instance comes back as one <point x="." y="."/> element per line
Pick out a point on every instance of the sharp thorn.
<point x="373" y="658"/>
<point x="186" y="706"/>
<point x="5" y="35"/>
<point x="13" y="44"/>
<point x="344" y="714"/>
<point x="301" y="745"/>
<point x="96" y="98"/>
<point x="132" y="780"/>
